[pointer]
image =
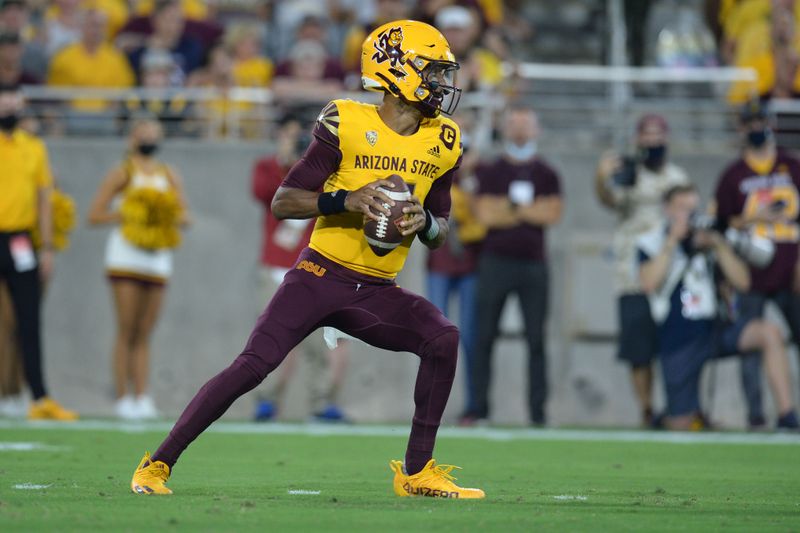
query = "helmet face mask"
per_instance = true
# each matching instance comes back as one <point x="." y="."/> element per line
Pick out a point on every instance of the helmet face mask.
<point x="438" y="91"/>
<point x="412" y="61"/>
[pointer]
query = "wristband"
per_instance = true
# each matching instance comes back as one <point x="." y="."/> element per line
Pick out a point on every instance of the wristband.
<point x="431" y="229"/>
<point x="331" y="203"/>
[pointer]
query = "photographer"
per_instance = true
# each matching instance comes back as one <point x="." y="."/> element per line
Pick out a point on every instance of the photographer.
<point x="759" y="194"/>
<point x="633" y="187"/>
<point x="683" y="266"/>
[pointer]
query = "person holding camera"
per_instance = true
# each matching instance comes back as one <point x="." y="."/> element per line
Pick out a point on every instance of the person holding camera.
<point x="759" y="194"/>
<point x="633" y="188"/>
<point x="684" y="264"/>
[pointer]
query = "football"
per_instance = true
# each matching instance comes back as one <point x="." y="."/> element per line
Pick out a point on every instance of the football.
<point x="384" y="235"/>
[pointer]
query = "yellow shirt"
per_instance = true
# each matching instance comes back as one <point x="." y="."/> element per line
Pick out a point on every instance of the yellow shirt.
<point x="73" y="66"/>
<point x="255" y="72"/>
<point x="192" y="9"/>
<point x="23" y="172"/>
<point x="371" y="150"/>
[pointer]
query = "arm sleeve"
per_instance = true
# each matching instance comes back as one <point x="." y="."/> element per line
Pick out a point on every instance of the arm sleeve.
<point x="323" y="156"/>
<point x="438" y="199"/>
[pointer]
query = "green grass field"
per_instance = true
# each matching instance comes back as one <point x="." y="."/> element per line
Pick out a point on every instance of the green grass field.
<point x="242" y="481"/>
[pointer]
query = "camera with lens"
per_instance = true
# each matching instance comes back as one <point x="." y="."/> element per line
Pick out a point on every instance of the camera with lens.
<point x="701" y="221"/>
<point x="755" y="250"/>
<point x="625" y="176"/>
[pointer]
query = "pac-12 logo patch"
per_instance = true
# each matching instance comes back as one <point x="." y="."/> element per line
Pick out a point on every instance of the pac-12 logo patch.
<point x="372" y="137"/>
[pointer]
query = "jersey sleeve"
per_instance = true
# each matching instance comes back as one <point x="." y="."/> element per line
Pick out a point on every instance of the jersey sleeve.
<point x="323" y="155"/>
<point x="438" y="199"/>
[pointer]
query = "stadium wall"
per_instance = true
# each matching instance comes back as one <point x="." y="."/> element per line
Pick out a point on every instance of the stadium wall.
<point x="212" y="303"/>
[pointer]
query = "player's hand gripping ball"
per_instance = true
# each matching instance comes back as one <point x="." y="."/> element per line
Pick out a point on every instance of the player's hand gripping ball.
<point x="384" y="235"/>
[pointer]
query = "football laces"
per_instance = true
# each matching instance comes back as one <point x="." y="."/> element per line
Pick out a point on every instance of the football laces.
<point x="383" y="223"/>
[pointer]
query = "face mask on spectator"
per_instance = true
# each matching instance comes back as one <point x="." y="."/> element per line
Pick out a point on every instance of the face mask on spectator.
<point x="9" y="122"/>
<point x="758" y="138"/>
<point x="653" y="157"/>
<point x="520" y="152"/>
<point x="147" y="148"/>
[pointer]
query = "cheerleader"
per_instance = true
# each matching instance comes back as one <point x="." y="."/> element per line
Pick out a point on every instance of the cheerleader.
<point x="143" y="199"/>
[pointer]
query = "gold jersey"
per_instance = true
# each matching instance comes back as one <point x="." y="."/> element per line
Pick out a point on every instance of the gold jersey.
<point x="370" y="150"/>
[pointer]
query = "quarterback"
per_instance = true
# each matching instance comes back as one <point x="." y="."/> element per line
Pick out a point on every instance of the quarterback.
<point x="338" y="280"/>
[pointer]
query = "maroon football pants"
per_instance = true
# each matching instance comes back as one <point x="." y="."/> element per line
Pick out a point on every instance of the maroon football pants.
<point x="319" y="292"/>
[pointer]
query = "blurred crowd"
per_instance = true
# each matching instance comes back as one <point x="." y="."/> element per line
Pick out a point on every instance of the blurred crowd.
<point x="303" y="50"/>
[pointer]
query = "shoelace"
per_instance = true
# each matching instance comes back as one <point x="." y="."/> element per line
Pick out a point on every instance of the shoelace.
<point x="157" y="471"/>
<point x="443" y="471"/>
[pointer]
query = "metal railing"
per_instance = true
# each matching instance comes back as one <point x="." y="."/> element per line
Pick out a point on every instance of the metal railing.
<point x="584" y="104"/>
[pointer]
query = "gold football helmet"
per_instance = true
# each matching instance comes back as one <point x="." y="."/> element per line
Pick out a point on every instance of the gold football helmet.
<point x="411" y="60"/>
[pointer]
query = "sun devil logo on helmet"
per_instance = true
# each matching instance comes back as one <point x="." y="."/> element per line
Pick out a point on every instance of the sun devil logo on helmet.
<point x="387" y="47"/>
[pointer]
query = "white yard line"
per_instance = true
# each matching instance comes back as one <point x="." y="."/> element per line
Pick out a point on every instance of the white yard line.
<point x="303" y="492"/>
<point x="367" y="430"/>
<point x="570" y="497"/>
<point x="28" y="447"/>
<point x="30" y="486"/>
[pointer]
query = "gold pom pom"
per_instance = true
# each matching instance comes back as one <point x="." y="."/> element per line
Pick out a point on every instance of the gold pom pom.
<point x="63" y="220"/>
<point x="150" y="218"/>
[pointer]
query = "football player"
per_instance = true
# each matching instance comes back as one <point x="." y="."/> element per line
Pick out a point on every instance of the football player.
<point x="338" y="280"/>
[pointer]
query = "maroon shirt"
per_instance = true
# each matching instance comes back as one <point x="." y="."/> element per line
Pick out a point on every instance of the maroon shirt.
<point x="741" y="190"/>
<point x="525" y="241"/>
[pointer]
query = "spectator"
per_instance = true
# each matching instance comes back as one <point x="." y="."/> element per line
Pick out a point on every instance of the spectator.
<point x="91" y="63"/>
<point x="760" y="193"/>
<point x="480" y="68"/>
<point x="11" y="69"/>
<point x="169" y="105"/>
<point x="250" y="68"/>
<point x="63" y="25"/>
<point x="677" y="270"/>
<point x="453" y="267"/>
<point x="139" y="257"/>
<point x="204" y="32"/>
<point x="308" y="77"/>
<point x="633" y="188"/>
<point x="25" y="201"/>
<point x="519" y="197"/>
<point x="15" y="20"/>
<point x="762" y="35"/>
<point x="283" y="240"/>
<point x="168" y="33"/>
<point x="385" y="11"/>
